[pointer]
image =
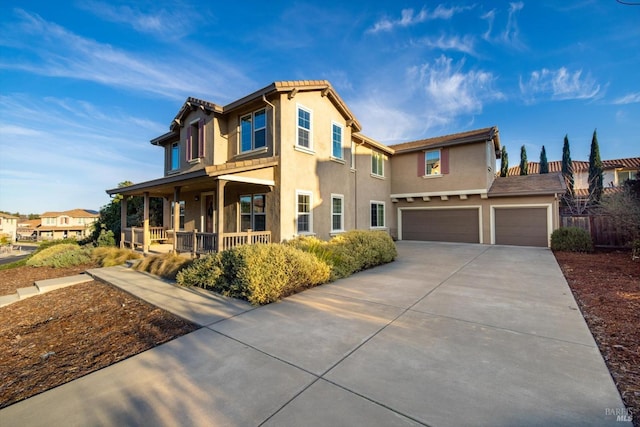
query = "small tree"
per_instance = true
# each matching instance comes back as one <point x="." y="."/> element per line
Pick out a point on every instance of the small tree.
<point x="595" y="171"/>
<point x="544" y="164"/>
<point x="504" y="161"/>
<point x="624" y="209"/>
<point x="524" y="164"/>
<point x="567" y="167"/>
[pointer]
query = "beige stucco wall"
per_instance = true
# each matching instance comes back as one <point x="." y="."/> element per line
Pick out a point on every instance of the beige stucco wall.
<point x="466" y="171"/>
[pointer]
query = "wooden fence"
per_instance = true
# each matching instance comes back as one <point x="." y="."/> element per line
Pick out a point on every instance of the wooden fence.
<point x="601" y="227"/>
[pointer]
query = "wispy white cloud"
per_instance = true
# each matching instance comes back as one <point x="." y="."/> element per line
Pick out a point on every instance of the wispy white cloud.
<point x="61" y="53"/>
<point x="511" y="34"/>
<point x="560" y="84"/>
<point x="408" y="17"/>
<point x="463" y="44"/>
<point x="163" y="23"/>
<point x="630" y="98"/>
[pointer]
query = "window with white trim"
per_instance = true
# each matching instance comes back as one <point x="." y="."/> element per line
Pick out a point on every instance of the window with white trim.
<point x="174" y="159"/>
<point x="625" y="175"/>
<point x="432" y="163"/>
<point x="337" y="212"/>
<point x="181" y="220"/>
<point x="304" y="139"/>
<point x="377" y="163"/>
<point x="336" y="141"/>
<point x="377" y="215"/>
<point x="253" y="214"/>
<point x="253" y="131"/>
<point x="304" y="212"/>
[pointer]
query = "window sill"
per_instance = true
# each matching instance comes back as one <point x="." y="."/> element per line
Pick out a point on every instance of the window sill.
<point x="195" y="161"/>
<point x="373" y="175"/>
<point x="379" y="228"/>
<point x="334" y="233"/>
<point x="432" y="176"/>
<point x="304" y="150"/>
<point x="305" y="233"/>
<point x="253" y="152"/>
<point x="338" y="160"/>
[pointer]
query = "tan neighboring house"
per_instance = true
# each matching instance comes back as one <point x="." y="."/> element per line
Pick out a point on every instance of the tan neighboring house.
<point x="8" y="226"/>
<point x="76" y="223"/>
<point x="445" y="189"/>
<point x="27" y="228"/>
<point x="614" y="173"/>
<point x="287" y="160"/>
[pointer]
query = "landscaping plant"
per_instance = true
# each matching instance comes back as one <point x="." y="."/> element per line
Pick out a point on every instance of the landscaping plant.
<point x="571" y="239"/>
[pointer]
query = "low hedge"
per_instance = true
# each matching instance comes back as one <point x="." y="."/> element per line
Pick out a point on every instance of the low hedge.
<point x="60" y="256"/>
<point x="571" y="239"/>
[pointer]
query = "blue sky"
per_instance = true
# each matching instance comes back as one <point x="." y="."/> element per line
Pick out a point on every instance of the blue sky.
<point x="85" y="86"/>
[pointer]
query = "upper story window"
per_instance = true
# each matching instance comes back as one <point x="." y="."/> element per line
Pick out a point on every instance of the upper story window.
<point x="253" y="131"/>
<point x="336" y="141"/>
<point x="174" y="161"/>
<point x="432" y="163"/>
<point x="304" y="129"/>
<point x="377" y="163"/>
<point x="195" y="140"/>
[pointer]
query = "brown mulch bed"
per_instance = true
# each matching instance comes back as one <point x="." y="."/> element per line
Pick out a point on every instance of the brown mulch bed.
<point x="51" y="339"/>
<point x="21" y="277"/>
<point x="606" y="286"/>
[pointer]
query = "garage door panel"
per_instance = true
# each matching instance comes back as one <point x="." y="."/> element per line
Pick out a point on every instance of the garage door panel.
<point x="521" y="226"/>
<point x="441" y="225"/>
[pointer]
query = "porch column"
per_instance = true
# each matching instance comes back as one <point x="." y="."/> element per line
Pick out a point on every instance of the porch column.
<point x="145" y="225"/>
<point x="220" y="184"/>
<point x="123" y="220"/>
<point x="176" y="216"/>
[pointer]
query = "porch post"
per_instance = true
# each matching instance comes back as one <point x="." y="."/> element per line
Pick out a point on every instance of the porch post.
<point x="123" y="220"/>
<point x="220" y="184"/>
<point x="145" y="224"/>
<point x="176" y="216"/>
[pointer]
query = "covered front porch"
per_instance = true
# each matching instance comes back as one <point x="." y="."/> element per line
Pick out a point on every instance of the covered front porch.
<point x="207" y="210"/>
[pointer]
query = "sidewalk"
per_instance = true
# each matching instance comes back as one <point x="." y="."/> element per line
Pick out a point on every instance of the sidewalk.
<point x="436" y="338"/>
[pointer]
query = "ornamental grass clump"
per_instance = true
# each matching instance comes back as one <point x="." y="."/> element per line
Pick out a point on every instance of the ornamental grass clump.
<point x="571" y="239"/>
<point x="164" y="265"/>
<point x="61" y="256"/>
<point x="109" y="256"/>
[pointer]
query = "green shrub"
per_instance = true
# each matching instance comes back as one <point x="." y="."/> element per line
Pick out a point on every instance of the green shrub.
<point x="164" y="265"/>
<point x="105" y="238"/>
<point x="571" y="239"/>
<point x="266" y="273"/>
<point x="60" y="256"/>
<point x="49" y="243"/>
<point x="109" y="256"/>
<point x="203" y="272"/>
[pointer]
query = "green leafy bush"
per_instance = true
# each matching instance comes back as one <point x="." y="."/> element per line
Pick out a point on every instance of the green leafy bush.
<point x="61" y="255"/>
<point x="203" y="272"/>
<point x="49" y="243"/>
<point x="571" y="239"/>
<point x="266" y="273"/>
<point x="109" y="256"/>
<point x="164" y="265"/>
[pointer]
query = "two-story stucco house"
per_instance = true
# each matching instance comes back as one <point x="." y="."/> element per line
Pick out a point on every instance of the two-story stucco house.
<point x="290" y="160"/>
<point x="75" y="223"/>
<point x="8" y="226"/>
<point x="284" y="161"/>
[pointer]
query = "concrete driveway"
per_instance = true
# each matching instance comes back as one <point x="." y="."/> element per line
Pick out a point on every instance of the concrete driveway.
<point x="448" y="335"/>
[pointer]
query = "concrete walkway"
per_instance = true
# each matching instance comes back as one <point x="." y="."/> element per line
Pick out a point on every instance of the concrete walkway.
<point x="448" y="335"/>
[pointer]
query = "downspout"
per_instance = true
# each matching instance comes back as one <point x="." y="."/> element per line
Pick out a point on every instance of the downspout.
<point x="273" y="123"/>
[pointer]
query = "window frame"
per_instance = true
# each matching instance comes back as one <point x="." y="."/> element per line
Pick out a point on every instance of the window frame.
<point x="377" y="204"/>
<point x="439" y="162"/>
<point x="252" y="211"/>
<point x="353" y="155"/>
<point x="340" y="154"/>
<point x="309" y="131"/>
<point x="377" y="157"/>
<point x="254" y="130"/>
<point x="340" y="214"/>
<point x="174" y="157"/>
<point x="628" y="173"/>
<point x="181" y="219"/>
<point x="309" y="214"/>
<point x="195" y="140"/>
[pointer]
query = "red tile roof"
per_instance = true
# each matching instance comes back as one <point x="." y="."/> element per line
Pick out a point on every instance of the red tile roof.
<point x="579" y="166"/>
<point x="74" y="213"/>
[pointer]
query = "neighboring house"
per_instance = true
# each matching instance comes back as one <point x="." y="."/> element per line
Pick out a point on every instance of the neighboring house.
<point x="27" y="228"/>
<point x="8" y="226"/>
<point x="285" y="161"/>
<point x="76" y="223"/>
<point x="290" y="160"/>
<point x="446" y="189"/>
<point x="614" y="173"/>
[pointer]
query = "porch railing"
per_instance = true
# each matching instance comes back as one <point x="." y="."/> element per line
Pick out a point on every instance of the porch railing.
<point x="249" y="237"/>
<point x="194" y="242"/>
<point x="134" y="236"/>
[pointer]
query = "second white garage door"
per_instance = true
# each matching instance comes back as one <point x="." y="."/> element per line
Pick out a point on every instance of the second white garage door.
<point x="441" y="225"/>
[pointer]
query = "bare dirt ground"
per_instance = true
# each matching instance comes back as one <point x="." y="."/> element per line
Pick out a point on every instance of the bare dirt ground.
<point x="607" y="289"/>
<point x="51" y="339"/>
<point x="48" y="340"/>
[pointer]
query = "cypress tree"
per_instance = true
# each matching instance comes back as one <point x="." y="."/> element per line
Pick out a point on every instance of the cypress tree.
<point x="524" y="164"/>
<point x="595" y="171"/>
<point x="567" y="167"/>
<point x="504" y="162"/>
<point x="544" y="164"/>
